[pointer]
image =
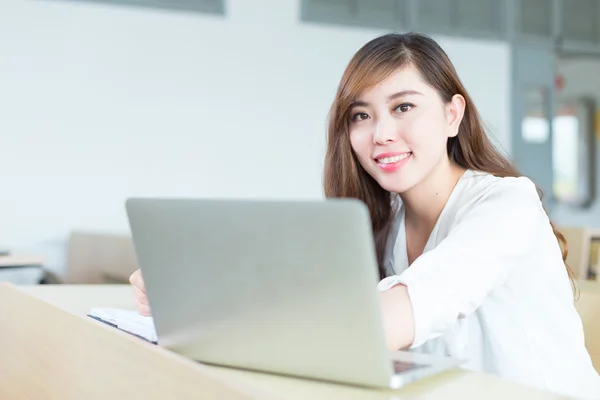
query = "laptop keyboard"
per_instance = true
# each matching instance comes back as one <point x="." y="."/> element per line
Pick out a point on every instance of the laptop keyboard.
<point x="403" y="366"/>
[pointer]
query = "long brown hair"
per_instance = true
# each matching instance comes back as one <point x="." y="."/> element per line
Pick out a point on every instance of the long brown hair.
<point x="470" y="149"/>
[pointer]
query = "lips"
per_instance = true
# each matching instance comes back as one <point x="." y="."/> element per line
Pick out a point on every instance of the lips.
<point x="390" y="162"/>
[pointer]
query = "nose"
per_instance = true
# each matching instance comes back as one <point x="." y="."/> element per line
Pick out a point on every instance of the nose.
<point x="385" y="131"/>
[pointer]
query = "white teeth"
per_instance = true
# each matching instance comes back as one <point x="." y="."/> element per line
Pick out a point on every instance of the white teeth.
<point x="391" y="160"/>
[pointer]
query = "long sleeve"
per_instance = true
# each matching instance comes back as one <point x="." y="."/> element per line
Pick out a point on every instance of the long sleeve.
<point x="492" y="238"/>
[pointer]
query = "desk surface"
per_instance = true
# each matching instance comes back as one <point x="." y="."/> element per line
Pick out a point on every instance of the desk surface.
<point x="78" y="299"/>
<point x="20" y="260"/>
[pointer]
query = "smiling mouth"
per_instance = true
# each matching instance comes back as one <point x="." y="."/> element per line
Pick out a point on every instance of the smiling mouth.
<point x="394" y="159"/>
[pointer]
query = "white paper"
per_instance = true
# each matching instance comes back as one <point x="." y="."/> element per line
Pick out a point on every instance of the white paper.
<point x="127" y="320"/>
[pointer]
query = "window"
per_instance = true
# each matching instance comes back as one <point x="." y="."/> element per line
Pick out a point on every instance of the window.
<point x="202" y="6"/>
<point x="580" y="21"/>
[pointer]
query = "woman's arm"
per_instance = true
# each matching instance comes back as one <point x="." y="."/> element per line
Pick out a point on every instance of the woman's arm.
<point x="398" y="318"/>
<point x="493" y="239"/>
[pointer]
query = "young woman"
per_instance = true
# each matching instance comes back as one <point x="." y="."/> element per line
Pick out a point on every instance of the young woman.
<point x="471" y="265"/>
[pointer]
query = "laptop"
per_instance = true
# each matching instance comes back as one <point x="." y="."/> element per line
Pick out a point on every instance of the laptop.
<point x="278" y="286"/>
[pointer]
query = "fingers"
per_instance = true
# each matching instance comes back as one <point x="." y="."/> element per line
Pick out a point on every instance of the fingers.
<point x="139" y="291"/>
<point x="143" y="309"/>
<point x="140" y="297"/>
<point x="137" y="280"/>
<point x="141" y="302"/>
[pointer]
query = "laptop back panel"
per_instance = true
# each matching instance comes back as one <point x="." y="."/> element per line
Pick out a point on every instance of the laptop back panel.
<point x="277" y="286"/>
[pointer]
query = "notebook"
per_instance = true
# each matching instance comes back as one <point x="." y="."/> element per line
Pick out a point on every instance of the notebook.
<point x="127" y="320"/>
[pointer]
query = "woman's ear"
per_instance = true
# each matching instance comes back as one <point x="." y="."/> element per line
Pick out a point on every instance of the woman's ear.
<point x="455" y="111"/>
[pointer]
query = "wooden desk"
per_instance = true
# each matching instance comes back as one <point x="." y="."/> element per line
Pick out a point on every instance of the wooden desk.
<point x="50" y="350"/>
<point x="21" y="269"/>
<point x="20" y="260"/>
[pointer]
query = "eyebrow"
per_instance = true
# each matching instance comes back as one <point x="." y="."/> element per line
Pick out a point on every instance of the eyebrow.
<point x="360" y="103"/>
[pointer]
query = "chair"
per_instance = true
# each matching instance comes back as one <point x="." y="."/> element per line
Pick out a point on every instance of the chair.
<point x="579" y="243"/>
<point x="588" y="306"/>
<point x="95" y="257"/>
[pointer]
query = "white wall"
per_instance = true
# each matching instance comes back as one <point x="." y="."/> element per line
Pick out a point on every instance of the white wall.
<point x="100" y="103"/>
<point x="581" y="78"/>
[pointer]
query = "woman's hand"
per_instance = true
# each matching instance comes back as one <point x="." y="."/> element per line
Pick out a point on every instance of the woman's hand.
<point x="398" y="318"/>
<point x="139" y="290"/>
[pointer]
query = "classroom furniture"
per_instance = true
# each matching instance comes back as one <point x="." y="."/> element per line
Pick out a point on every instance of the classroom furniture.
<point x="582" y="245"/>
<point x="21" y="269"/>
<point x="51" y="350"/>
<point x="588" y="306"/>
<point x="98" y="257"/>
<point x="20" y="260"/>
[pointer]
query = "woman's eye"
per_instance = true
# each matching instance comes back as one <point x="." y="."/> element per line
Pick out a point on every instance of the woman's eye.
<point x="359" y="117"/>
<point x="402" y="108"/>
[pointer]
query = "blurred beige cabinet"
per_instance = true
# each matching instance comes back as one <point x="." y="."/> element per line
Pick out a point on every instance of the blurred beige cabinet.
<point x="96" y="257"/>
<point x="583" y="250"/>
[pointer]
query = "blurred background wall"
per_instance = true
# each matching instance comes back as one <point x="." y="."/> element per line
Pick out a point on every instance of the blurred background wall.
<point x="101" y="100"/>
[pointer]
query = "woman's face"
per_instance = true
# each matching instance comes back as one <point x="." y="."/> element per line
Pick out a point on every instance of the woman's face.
<point x="400" y="127"/>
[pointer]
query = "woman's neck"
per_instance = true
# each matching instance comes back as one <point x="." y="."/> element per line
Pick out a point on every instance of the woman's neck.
<point x="424" y="203"/>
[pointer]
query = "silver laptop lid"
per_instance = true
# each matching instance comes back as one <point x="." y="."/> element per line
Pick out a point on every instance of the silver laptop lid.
<point x="279" y="286"/>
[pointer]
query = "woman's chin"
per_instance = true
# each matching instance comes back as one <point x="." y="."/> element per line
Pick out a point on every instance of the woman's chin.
<point x="394" y="187"/>
<point x="394" y="183"/>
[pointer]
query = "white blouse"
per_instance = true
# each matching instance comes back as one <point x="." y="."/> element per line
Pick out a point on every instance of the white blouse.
<point x="491" y="288"/>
